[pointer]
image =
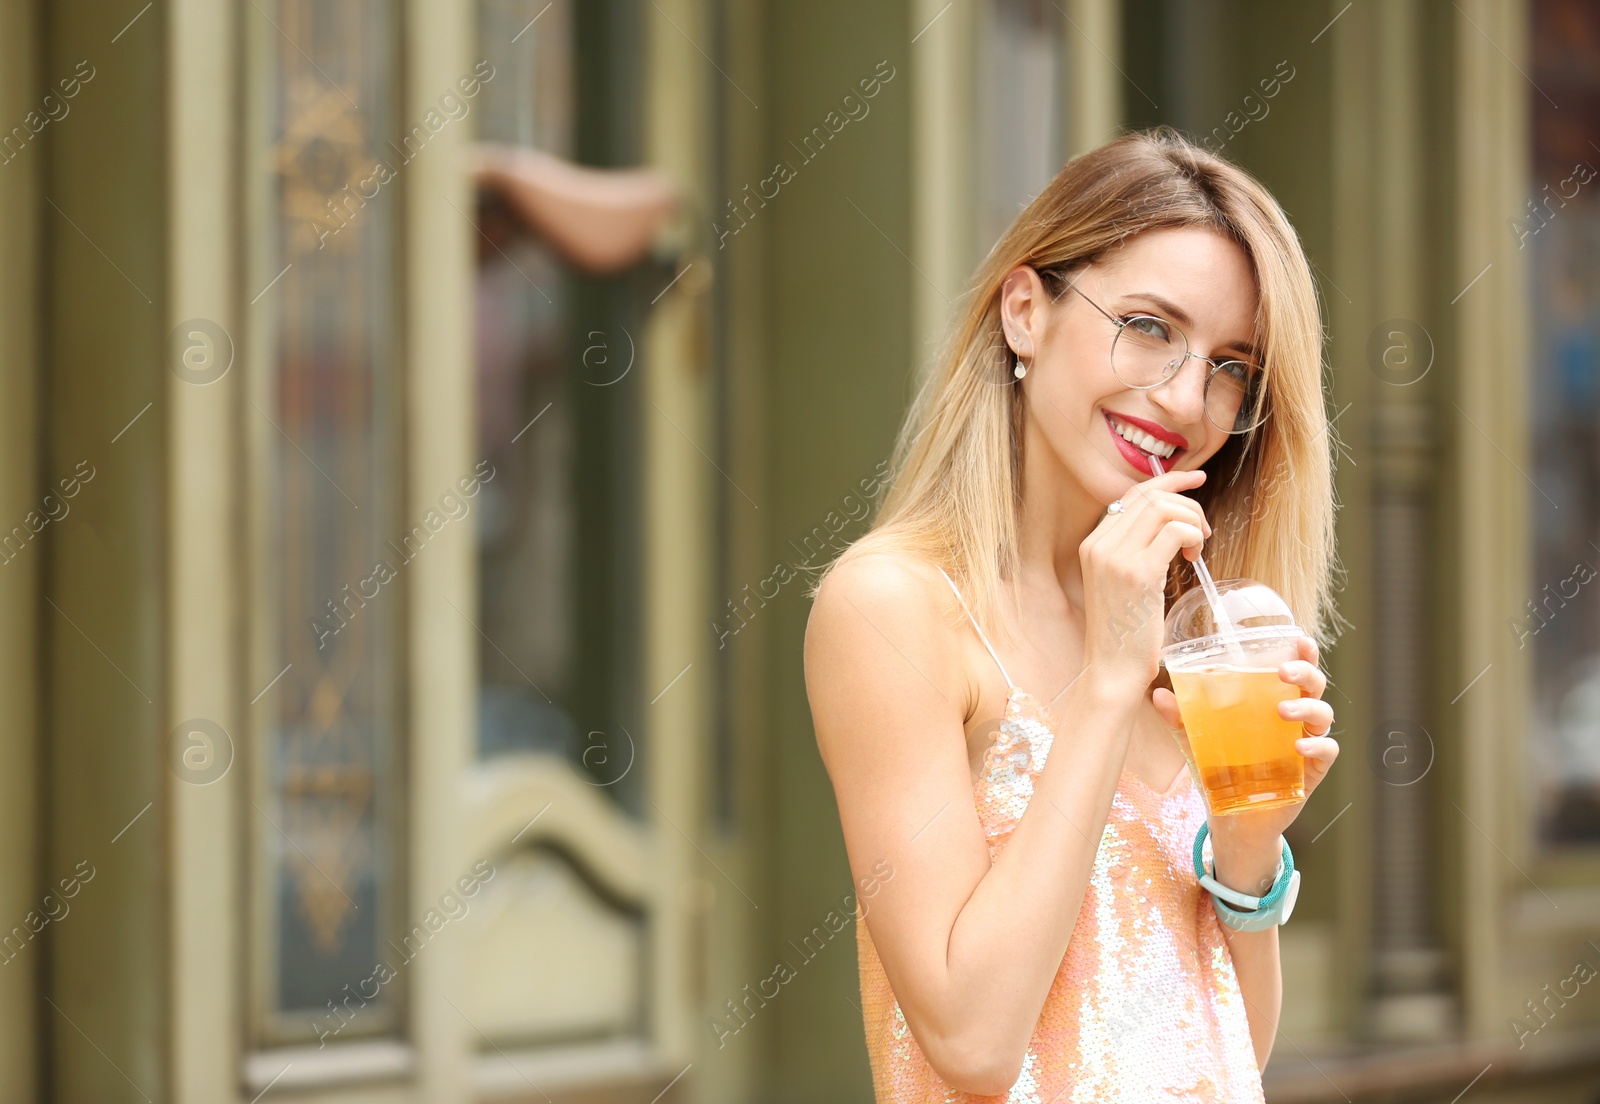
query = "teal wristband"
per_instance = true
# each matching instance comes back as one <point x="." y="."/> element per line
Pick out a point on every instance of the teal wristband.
<point x="1240" y="911"/>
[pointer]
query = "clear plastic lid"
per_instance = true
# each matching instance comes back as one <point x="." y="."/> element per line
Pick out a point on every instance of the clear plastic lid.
<point x="1262" y="620"/>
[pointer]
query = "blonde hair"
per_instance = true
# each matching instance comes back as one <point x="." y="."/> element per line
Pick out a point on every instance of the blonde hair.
<point x="955" y="494"/>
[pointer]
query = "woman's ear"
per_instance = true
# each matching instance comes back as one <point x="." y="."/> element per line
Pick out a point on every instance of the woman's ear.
<point x="1022" y="298"/>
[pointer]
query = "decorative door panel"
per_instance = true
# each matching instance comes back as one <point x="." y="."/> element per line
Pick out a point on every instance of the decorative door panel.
<point x="323" y="422"/>
<point x="559" y="939"/>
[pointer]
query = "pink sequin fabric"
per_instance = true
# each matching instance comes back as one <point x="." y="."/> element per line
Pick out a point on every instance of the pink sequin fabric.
<point x="1145" y="1006"/>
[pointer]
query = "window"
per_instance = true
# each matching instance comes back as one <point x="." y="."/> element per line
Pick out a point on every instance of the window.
<point x="1022" y="132"/>
<point x="557" y="404"/>
<point x="1560" y="229"/>
<point x="324" y="420"/>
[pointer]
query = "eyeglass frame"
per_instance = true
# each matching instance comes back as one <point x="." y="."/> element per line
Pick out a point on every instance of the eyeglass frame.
<point x="1216" y="365"/>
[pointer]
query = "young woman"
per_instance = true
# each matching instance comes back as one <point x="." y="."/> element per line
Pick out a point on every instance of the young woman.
<point x="983" y="668"/>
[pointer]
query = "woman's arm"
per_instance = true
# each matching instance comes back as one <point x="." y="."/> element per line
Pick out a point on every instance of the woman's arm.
<point x="1255" y="954"/>
<point x="1248" y="845"/>
<point x="970" y="948"/>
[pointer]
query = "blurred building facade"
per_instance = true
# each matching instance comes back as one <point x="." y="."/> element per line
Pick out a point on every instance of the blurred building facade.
<point x="402" y="614"/>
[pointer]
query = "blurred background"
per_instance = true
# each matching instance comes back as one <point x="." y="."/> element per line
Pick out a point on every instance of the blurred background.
<point x="419" y="422"/>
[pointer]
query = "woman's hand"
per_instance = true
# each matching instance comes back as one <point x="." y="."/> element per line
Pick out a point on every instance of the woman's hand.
<point x="1246" y="844"/>
<point x="1125" y="561"/>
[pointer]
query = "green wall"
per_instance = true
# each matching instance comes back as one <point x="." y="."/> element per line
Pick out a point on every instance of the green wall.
<point x="838" y="365"/>
<point x="103" y="345"/>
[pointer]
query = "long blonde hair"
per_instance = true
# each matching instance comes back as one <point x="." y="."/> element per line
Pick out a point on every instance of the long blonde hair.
<point x="955" y="493"/>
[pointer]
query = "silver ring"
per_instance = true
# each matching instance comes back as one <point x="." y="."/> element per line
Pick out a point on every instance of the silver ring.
<point x="1114" y="508"/>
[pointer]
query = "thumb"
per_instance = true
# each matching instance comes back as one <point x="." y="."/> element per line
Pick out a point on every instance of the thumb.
<point x="1166" y="704"/>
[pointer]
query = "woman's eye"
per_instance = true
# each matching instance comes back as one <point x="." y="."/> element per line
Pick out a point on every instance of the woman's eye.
<point x="1147" y="326"/>
<point x="1238" y="370"/>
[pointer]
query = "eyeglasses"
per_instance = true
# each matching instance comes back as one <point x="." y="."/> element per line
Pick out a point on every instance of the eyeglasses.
<point x="1148" y="350"/>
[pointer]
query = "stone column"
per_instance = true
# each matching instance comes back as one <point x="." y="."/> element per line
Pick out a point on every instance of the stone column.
<point x="1409" y="984"/>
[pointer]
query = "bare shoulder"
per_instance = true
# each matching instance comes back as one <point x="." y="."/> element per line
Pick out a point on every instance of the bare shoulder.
<point x="879" y="638"/>
<point x="889" y="594"/>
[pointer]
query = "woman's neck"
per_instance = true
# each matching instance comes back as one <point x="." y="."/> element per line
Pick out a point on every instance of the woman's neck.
<point x="1057" y="516"/>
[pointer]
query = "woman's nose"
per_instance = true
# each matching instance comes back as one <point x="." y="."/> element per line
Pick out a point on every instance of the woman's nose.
<point x="1183" y="393"/>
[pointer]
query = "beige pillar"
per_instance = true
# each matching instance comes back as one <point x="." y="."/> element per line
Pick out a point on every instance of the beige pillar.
<point x="203" y="717"/>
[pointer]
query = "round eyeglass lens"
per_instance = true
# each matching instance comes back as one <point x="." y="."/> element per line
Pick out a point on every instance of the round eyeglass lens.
<point x="1147" y="350"/>
<point x="1233" y="397"/>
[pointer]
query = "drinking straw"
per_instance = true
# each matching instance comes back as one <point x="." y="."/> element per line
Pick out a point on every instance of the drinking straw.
<point x="1220" y="616"/>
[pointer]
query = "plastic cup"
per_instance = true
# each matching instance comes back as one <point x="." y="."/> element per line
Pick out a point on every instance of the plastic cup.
<point x="1241" y="752"/>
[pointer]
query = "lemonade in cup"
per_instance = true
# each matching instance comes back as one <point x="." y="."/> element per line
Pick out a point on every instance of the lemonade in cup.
<point x="1226" y="680"/>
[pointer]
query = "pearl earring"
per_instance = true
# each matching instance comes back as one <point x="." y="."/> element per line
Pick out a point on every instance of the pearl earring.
<point x="1020" y="369"/>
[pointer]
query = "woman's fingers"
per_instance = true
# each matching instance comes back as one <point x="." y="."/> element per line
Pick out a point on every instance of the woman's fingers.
<point x="1126" y="559"/>
<point x="1307" y="676"/>
<point x="1144" y="498"/>
<point x="1314" y="713"/>
<point x="1164" y="525"/>
<point x="1163" y="488"/>
<point x="1174" y="537"/>
<point x="1320" y="752"/>
<point x="1148" y="510"/>
<point x="1320" y="749"/>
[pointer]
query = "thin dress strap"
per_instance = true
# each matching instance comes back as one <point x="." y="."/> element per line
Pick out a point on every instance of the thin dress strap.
<point x="979" y="630"/>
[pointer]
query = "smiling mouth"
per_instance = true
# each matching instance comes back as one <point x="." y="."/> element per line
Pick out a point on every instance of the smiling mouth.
<point x="1142" y="441"/>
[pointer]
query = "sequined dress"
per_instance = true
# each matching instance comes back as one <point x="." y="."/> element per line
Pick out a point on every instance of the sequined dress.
<point x="1145" y="1005"/>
